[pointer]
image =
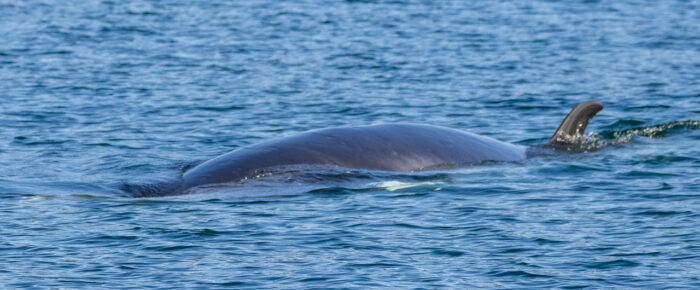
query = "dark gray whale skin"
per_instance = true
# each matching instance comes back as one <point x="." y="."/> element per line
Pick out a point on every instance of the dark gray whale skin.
<point x="390" y="147"/>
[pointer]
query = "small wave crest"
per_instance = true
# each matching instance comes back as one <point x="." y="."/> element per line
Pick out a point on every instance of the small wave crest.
<point x="653" y="132"/>
<point x="600" y="140"/>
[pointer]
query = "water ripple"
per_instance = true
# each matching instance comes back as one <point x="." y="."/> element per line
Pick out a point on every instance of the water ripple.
<point x="103" y="101"/>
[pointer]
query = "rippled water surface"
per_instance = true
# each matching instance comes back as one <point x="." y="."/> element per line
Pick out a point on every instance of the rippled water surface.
<point x="100" y="97"/>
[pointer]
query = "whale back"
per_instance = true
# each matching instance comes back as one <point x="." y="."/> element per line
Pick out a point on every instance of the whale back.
<point x="390" y="147"/>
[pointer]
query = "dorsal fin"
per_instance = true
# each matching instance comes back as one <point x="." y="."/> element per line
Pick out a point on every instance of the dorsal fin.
<point x="574" y="125"/>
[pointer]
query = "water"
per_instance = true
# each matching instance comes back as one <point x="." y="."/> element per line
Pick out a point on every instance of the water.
<point x="100" y="96"/>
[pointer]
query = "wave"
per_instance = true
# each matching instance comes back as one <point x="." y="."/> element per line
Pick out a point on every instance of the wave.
<point x="603" y="139"/>
<point x="653" y="132"/>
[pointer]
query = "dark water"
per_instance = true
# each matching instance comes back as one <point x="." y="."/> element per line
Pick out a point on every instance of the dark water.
<point x="98" y="96"/>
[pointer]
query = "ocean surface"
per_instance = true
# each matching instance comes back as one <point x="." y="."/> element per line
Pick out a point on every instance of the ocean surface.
<point x="100" y="98"/>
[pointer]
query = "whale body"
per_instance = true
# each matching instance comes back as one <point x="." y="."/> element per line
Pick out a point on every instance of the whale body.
<point x="389" y="147"/>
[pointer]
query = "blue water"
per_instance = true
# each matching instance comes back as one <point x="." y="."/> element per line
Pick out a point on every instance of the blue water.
<point x="100" y="97"/>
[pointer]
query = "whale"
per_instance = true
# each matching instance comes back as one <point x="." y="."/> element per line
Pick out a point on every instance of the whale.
<point x="387" y="147"/>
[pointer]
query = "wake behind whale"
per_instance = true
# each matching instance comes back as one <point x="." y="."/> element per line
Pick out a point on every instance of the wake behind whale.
<point x="389" y="147"/>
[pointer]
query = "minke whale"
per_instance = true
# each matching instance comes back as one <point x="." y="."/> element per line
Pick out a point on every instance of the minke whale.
<point x="389" y="147"/>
